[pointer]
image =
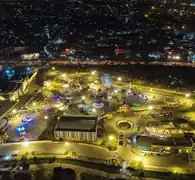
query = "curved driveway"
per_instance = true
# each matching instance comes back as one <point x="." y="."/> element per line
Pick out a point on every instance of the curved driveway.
<point x="93" y="152"/>
<point x="49" y="147"/>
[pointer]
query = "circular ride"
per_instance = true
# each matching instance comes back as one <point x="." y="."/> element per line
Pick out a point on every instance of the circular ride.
<point x="124" y="125"/>
<point x="97" y="105"/>
<point x="143" y="96"/>
<point x="170" y="100"/>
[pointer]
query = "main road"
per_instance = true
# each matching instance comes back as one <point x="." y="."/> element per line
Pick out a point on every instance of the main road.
<point x="84" y="62"/>
<point x="94" y="153"/>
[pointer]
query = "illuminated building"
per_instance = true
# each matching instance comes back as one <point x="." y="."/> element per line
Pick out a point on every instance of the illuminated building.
<point x="78" y="128"/>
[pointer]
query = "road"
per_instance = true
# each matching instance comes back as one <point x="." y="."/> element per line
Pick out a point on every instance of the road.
<point x="105" y="62"/>
<point x="93" y="153"/>
<point x="23" y="99"/>
<point x="35" y="129"/>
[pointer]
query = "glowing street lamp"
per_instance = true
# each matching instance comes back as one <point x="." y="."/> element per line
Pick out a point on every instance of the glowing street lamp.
<point x="46" y="83"/>
<point x="14" y="111"/>
<point x="187" y="95"/>
<point x="177" y="57"/>
<point x="93" y="110"/>
<point x="111" y="138"/>
<point x="146" y="15"/>
<point x="53" y="68"/>
<point x="119" y="78"/>
<point x="45" y="117"/>
<point x="25" y="143"/>
<point x="63" y="75"/>
<point x="34" y="104"/>
<point x="150" y="107"/>
<point x="93" y="72"/>
<point x="66" y="85"/>
<point x="83" y="97"/>
<point x="66" y="143"/>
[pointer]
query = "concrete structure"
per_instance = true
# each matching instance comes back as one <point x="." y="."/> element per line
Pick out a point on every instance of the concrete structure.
<point x="16" y="86"/>
<point x="81" y="128"/>
<point x="3" y="125"/>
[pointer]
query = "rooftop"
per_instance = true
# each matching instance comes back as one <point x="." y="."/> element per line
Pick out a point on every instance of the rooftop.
<point x="10" y="87"/>
<point x="18" y="77"/>
<point x="77" y="123"/>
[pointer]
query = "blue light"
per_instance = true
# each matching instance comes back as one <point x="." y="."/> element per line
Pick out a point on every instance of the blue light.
<point x="107" y="80"/>
<point x="101" y="57"/>
<point x="21" y="129"/>
<point x="58" y="98"/>
<point x="7" y="71"/>
<point x="118" y="89"/>
<point x="28" y="68"/>
<point x="155" y="56"/>
<point x="193" y="58"/>
<point x="7" y="157"/>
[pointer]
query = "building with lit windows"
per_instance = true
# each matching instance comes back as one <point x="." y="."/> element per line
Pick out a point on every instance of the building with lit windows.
<point x="78" y="128"/>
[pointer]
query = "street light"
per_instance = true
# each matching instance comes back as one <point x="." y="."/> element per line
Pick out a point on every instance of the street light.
<point x="14" y="111"/>
<point x="45" y="117"/>
<point x="47" y="84"/>
<point x="111" y="137"/>
<point x="83" y="97"/>
<point x="187" y="95"/>
<point x="25" y="143"/>
<point x="53" y="68"/>
<point x="93" y="110"/>
<point x="66" y="85"/>
<point x="119" y="78"/>
<point x="34" y="104"/>
<point x="63" y="75"/>
<point x="66" y="143"/>
<point x="150" y="107"/>
<point x="93" y="72"/>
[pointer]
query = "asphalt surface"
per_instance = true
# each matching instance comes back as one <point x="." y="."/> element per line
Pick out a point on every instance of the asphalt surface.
<point x="93" y="152"/>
